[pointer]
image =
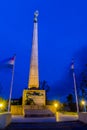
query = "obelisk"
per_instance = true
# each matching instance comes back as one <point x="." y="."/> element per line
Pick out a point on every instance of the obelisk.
<point x="34" y="73"/>
<point x="33" y="95"/>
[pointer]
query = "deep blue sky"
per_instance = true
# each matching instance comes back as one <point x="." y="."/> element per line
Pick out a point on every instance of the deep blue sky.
<point x="62" y="36"/>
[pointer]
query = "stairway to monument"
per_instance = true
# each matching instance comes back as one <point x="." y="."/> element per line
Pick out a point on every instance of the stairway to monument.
<point x="38" y="113"/>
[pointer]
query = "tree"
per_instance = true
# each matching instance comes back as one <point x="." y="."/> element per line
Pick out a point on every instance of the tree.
<point x="0" y="88"/>
<point x="70" y="98"/>
<point x="70" y="101"/>
<point x="44" y="86"/>
<point x="16" y="101"/>
<point x="83" y="84"/>
<point x="20" y="100"/>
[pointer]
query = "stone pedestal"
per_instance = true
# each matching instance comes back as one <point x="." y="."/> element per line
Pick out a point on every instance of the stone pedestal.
<point x="34" y="97"/>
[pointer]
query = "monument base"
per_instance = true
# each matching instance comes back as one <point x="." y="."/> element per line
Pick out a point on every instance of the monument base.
<point x="34" y="97"/>
<point x="34" y="104"/>
<point x="38" y="113"/>
<point x="18" y="109"/>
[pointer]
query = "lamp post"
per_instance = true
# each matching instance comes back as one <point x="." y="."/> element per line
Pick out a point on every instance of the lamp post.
<point x="1" y="105"/>
<point x="75" y="87"/>
<point x="84" y="105"/>
<point x="57" y="116"/>
<point x="56" y="105"/>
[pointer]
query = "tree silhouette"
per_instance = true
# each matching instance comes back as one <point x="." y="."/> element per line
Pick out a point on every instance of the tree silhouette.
<point x="44" y="86"/>
<point x="70" y="101"/>
<point x="0" y="88"/>
<point x="83" y="84"/>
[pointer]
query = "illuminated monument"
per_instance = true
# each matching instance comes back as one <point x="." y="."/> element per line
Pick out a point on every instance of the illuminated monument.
<point x="34" y="75"/>
<point x="33" y="99"/>
<point x="34" y="96"/>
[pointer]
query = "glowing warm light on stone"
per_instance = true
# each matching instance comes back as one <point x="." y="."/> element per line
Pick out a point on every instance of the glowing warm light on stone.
<point x="33" y="75"/>
<point x="1" y="105"/>
<point x="56" y="105"/>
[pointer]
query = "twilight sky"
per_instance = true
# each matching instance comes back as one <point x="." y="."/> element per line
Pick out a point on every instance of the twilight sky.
<point x="62" y="29"/>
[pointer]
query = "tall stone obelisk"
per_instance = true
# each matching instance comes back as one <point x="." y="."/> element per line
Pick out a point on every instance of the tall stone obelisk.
<point x="33" y="95"/>
<point x="34" y="74"/>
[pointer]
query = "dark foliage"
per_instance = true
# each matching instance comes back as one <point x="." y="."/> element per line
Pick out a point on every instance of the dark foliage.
<point x="83" y="84"/>
<point x="70" y="103"/>
<point x="44" y="86"/>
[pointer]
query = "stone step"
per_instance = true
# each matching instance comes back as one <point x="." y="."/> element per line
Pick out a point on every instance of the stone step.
<point x="38" y="113"/>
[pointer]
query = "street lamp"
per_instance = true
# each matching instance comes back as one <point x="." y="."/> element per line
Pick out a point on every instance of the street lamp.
<point x="84" y="105"/>
<point x="56" y="105"/>
<point x="57" y="116"/>
<point x="1" y="106"/>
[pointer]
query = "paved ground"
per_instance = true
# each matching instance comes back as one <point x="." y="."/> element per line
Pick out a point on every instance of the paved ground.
<point x="66" y="122"/>
<point x="61" y="117"/>
<point x="70" y="125"/>
<point x="20" y="119"/>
